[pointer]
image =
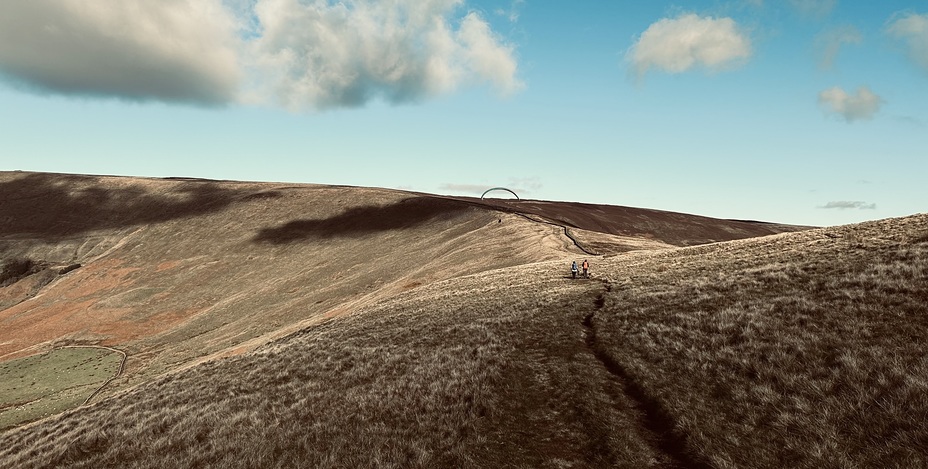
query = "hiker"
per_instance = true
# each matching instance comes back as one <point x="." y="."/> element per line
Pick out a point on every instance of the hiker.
<point x="573" y="269"/>
<point x="586" y="269"/>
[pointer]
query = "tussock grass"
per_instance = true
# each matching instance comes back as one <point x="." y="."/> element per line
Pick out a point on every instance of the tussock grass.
<point x="454" y="375"/>
<point x="800" y="350"/>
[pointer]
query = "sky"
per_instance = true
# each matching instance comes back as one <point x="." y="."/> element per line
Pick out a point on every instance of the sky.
<point x="811" y="112"/>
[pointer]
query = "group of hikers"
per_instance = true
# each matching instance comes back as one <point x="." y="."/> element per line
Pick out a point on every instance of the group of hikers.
<point x="574" y="270"/>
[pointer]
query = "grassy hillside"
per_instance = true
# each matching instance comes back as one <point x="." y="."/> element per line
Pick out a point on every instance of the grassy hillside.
<point x="801" y="349"/>
<point x="180" y="271"/>
<point x="173" y="272"/>
<point x="805" y="349"/>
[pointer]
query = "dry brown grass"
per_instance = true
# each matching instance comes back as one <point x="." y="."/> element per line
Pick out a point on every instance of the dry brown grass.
<point x="800" y="350"/>
<point x="187" y="283"/>
<point x="796" y="350"/>
<point x="457" y="375"/>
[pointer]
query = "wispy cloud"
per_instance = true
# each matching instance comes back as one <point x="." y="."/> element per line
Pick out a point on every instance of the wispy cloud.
<point x="521" y="186"/>
<point x="830" y="42"/>
<point x="291" y="53"/>
<point x="525" y="185"/>
<point x="851" y="107"/>
<point x="512" y="13"/>
<point x="910" y="121"/>
<point x="913" y="30"/>
<point x="679" y="44"/>
<point x="464" y="188"/>
<point x="814" y="8"/>
<point x="849" y="205"/>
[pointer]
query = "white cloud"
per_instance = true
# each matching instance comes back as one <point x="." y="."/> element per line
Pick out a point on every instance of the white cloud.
<point x="322" y="55"/>
<point x="679" y="44"/>
<point x="814" y="8"/>
<point x="847" y="204"/>
<point x="913" y="29"/>
<point x="300" y="54"/>
<point x="830" y="42"/>
<point x="168" y="50"/>
<point x="863" y="105"/>
<point x="465" y="188"/>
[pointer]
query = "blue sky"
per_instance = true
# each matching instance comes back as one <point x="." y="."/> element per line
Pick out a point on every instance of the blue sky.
<point x="794" y="111"/>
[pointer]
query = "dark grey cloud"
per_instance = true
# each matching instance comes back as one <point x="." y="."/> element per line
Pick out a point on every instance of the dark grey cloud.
<point x="166" y="50"/>
<point x="849" y="205"/>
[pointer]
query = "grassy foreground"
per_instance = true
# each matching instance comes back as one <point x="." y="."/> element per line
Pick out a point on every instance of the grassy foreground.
<point x="462" y="374"/>
<point x="805" y="350"/>
<point x="798" y="350"/>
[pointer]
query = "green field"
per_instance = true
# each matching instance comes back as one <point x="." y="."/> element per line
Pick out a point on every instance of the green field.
<point x="41" y="385"/>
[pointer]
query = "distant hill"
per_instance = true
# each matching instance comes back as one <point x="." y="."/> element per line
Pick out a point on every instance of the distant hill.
<point x="677" y="229"/>
<point x="176" y="270"/>
<point x="263" y="324"/>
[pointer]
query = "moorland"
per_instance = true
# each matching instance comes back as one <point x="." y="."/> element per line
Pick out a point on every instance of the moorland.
<point x="177" y="322"/>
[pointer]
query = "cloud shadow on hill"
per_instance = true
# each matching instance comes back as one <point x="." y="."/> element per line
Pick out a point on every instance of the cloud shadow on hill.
<point x="50" y="206"/>
<point x="361" y="221"/>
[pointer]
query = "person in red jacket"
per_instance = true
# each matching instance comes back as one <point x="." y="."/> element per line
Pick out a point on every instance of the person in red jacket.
<point x="586" y="269"/>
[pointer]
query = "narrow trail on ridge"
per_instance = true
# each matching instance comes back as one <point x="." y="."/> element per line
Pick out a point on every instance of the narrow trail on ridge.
<point x="564" y="227"/>
<point x="654" y="418"/>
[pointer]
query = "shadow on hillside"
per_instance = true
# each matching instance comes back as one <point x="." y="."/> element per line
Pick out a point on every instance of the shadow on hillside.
<point x="49" y="206"/>
<point x="679" y="229"/>
<point x="360" y="221"/>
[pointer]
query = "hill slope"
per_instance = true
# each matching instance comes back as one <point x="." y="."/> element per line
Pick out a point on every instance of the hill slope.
<point x="802" y="349"/>
<point x="177" y="271"/>
<point x="454" y="311"/>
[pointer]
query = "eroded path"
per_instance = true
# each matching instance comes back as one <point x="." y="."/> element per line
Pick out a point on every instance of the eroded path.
<point x="653" y="417"/>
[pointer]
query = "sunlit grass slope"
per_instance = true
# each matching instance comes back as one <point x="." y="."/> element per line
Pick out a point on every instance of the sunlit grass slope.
<point x="478" y="372"/>
<point x="173" y="272"/>
<point x="798" y="350"/>
<point x="805" y="349"/>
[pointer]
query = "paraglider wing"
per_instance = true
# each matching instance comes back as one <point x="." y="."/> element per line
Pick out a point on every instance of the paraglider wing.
<point x="499" y="189"/>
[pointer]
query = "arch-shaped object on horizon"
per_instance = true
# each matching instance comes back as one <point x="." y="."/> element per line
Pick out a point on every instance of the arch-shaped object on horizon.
<point x="499" y="189"/>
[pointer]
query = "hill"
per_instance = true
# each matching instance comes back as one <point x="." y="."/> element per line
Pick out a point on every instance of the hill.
<point x="794" y="349"/>
<point x="173" y="272"/>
